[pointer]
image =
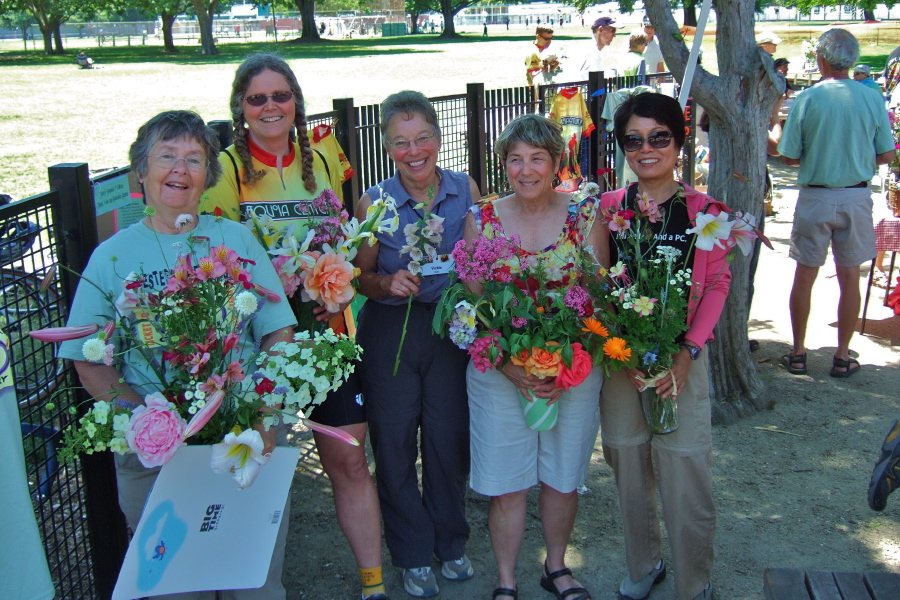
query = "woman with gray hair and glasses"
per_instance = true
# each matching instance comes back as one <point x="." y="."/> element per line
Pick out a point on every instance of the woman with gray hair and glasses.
<point x="174" y="158"/>
<point x="427" y="396"/>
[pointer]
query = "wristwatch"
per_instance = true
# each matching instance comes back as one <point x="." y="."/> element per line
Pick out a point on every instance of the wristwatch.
<point x="694" y="351"/>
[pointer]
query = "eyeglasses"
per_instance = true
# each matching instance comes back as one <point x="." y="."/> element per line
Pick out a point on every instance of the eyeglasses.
<point x="658" y="140"/>
<point x="421" y="141"/>
<point x="261" y="99"/>
<point x="194" y="164"/>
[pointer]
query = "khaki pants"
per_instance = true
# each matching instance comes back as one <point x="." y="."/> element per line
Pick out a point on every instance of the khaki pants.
<point x="679" y="464"/>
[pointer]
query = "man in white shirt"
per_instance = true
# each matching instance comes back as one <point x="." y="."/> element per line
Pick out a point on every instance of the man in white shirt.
<point x="603" y="31"/>
<point x="653" y="57"/>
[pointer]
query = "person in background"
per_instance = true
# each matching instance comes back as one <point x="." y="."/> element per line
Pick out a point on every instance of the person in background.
<point x="886" y="474"/>
<point x="425" y="404"/>
<point x="863" y="74"/>
<point x="781" y="65"/>
<point x="652" y="53"/>
<point x="837" y="158"/>
<point x="84" y="61"/>
<point x="892" y="75"/>
<point x="272" y="169"/>
<point x="603" y="32"/>
<point x="541" y="66"/>
<point x="768" y="41"/>
<point x="634" y="62"/>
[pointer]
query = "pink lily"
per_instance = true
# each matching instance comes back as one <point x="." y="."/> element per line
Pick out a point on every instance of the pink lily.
<point x="204" y="414"/>
<point x="61" y="334"/>
<point x="332" y="431"/>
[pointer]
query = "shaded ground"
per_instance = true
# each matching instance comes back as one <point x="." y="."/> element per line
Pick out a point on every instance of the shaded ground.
<point x="790" y="483"/>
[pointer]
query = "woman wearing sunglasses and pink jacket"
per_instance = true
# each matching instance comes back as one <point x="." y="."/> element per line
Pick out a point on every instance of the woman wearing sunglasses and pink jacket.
<point x="274" y="169"/>
<point x="649" y="128"/>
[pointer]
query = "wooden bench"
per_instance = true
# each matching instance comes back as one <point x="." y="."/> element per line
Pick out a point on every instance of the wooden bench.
<point x="794" y="584"/>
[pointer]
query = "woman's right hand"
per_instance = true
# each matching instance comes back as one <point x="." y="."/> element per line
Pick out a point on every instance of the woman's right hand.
<point x="531" y="384"/>
<point x="402" y="284"/>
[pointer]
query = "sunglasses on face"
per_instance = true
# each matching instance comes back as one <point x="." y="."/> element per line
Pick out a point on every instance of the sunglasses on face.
<point x="658" y="140"/>
<point x="261" y="99"/>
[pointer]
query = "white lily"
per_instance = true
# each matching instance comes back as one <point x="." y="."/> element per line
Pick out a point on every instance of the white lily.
<point x="240" y="455"/>
<point x="711" y="230"/>
<point x="296" y="251"/>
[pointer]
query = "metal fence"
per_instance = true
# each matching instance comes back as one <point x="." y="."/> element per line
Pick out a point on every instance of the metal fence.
<point x="84" y="533"/>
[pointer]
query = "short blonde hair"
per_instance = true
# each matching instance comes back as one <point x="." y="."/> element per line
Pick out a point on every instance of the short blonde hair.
<point x="637" y="40"/>
<point x="533" y="130"/>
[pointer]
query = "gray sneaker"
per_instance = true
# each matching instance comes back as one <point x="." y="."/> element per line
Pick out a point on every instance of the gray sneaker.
<point x="706" y="594"/>
<point x="458" y="570"/>
<point x="420" y="582"/>
<point x="631" y="590"/>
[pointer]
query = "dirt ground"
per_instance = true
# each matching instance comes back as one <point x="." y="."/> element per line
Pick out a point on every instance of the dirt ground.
<point x="790" y="483"/>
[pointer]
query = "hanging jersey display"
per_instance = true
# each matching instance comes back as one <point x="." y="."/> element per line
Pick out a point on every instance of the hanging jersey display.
<point x="570" y="110"/>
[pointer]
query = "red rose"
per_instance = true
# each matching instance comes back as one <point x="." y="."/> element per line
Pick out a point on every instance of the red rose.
<point x="581" y="368"/>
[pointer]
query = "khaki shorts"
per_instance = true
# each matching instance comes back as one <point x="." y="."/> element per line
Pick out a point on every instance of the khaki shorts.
<point x="840" y="218"/>
<point x="508" y="457"/>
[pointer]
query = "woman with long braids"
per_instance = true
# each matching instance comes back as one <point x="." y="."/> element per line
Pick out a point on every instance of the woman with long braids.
<point x="273" y="169"/>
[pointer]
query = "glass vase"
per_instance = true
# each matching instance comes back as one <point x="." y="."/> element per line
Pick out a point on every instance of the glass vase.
<point x="661" y="413"/>
<point x="538" y="415"/>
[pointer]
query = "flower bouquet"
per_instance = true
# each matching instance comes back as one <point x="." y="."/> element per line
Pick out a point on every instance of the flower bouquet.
<point x="644" y="297"/>
<point x="534" y="319"/>
<point x="185" y="342"/>
<point x="313" y="256"/>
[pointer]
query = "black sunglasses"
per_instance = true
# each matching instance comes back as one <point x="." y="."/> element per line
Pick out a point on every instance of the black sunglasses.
<point x="261" y="99"/>
<point x="658" y="140"/>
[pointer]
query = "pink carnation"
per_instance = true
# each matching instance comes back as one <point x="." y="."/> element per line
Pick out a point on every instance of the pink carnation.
<point x="155" y="431"/>
<point x="577" y="299"/>
<point x="480" y="351"/>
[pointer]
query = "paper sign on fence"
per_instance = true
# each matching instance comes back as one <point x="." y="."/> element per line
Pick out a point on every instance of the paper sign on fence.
<point x="200" y="532"/>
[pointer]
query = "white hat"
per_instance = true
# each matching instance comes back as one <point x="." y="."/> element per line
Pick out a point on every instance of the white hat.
<point x="767" y="37"/>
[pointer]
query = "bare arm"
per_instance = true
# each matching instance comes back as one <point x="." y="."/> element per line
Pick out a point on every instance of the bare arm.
<point x="885" y="158"/>
<point x="371" y="284"/>
<point x="102" y="383"/>
<point x="792" y="162"/>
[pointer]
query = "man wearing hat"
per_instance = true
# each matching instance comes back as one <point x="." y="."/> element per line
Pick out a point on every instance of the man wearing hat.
<point x="539" y="60"/>
<point x="863" y="74"/>
<point x="603" y="31"/>
<point x="653" y="57"/>
<point x="768" y="41"/>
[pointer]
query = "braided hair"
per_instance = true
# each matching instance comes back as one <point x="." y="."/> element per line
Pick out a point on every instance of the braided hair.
<point x="250" y="68"/>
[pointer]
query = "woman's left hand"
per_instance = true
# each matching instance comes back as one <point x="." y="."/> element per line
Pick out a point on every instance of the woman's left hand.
<point x="268" y="437"/>
<point x="323" y="314"/>
<point x="681" y="367"/>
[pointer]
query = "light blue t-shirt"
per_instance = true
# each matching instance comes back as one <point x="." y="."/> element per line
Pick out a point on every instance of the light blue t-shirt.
<point x="869" y="82"/>
<point x="139" y="249"/>
<point x="835" y="129"/>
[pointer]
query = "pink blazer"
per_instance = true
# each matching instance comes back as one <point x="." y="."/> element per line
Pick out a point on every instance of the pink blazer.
<point x="710" y="272"/>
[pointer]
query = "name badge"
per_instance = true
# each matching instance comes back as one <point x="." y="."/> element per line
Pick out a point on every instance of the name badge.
<point x="441" y="265"/>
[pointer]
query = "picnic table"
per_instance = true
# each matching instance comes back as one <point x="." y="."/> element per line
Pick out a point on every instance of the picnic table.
<point x="796" y="584"/>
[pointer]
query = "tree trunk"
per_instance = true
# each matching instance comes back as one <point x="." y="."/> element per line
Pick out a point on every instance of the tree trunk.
<point x="205" y="10"/>
<point x="57" y="38"/>
<point x="449" y="32"/>
<point x="310" y="33"/>
<point x="690" y="14"/>
<point x="739" y="102"/>
<point x="868" y="14"/>
<point x="47" y="34"/>
<point x="415" y="22"/>
<point x="168" y="39"/>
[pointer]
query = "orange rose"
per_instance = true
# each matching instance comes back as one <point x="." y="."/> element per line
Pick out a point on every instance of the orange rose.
<point x="581" y="368"/>
<point x="520" y="359"/>
<point x="544" y="363"/>
<point x="329" y="282"/>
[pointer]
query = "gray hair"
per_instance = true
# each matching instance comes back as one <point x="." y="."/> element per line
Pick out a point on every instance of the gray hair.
<point x="838" y="48"/>
<point x="407" y="103"/>
<point x="535" y="131"/>
<point x="171" y="125"/>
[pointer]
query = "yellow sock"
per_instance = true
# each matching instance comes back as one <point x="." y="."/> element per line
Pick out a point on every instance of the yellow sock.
<point x="372" y="582"/>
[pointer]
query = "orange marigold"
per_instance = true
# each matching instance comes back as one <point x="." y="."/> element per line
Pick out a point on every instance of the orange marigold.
<point x="592" y="325"/>
<point x="616" y="350"/>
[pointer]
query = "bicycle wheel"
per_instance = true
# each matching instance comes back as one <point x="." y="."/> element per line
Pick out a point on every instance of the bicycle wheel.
<point x="23" y="308"/>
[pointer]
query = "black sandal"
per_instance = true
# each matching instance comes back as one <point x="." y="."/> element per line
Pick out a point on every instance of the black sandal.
<point x="789" y="360"/>
<point x="548" y="578"/>
<point x="501" y="591"/>
<point x="844" y="364"/>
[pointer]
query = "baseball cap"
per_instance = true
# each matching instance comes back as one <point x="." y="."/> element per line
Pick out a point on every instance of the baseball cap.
<point x="603" y="22"/>
<point x="647" y="22"/>
<point x="863" y="69"/>
<point x="767" y="37"/>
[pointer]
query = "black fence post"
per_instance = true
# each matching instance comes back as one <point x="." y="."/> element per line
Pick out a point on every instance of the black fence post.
<point x="345" y="130"/>
<point x="477" y="134"/>
<point x="224" y="130"/>
<point x="106" y="523"/>
<point x="595" y="108"/>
